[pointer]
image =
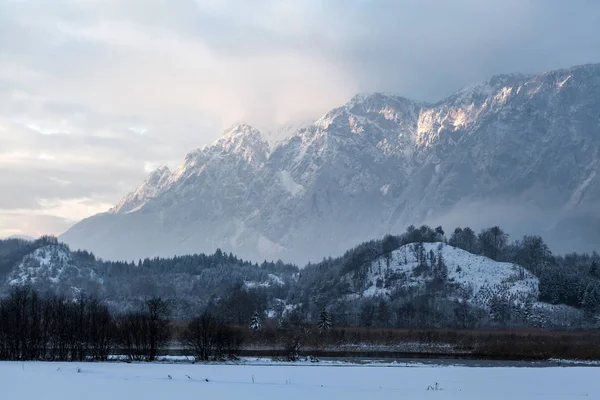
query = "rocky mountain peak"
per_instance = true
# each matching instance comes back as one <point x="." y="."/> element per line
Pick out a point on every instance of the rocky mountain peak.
<point x="371" y="112"/>
<point x="159" y="175"/>
<point x="246" y="140"/>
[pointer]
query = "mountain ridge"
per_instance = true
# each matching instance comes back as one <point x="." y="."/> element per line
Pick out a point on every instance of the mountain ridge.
<point x="373" y="166"/>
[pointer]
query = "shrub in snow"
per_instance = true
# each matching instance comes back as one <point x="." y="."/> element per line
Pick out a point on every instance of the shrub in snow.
<point x="324" y="322"/>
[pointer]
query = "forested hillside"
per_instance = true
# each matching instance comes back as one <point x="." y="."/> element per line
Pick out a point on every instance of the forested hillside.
<point x="421" y="278"/>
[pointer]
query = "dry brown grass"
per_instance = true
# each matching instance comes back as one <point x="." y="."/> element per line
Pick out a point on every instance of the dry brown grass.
<point x="489" y="343"/>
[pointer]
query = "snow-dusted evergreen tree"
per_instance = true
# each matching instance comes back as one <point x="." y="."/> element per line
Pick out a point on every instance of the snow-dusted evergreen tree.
<point x="526" y="310"/>
<point x="256" y="323"/>
<point x="591" y="299"/>
<point x="440" y="269"/>
<point x="324" y="322"/>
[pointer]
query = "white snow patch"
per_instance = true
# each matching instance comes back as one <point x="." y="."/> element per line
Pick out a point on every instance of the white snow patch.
<point x="579" y="192"/>
<point x="503" y="95"/>
<point x="272" y="280"/>
<point x="289" y="308"/>
<point x="138" y="208"/>
<point x="276" y="280"/>
<point x="563" y="82"/>
<point x="289" y="184"/>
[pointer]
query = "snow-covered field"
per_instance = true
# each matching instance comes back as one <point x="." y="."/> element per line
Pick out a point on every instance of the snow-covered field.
<point x="103" y="381"/>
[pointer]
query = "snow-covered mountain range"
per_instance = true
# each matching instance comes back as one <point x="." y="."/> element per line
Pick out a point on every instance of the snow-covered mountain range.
<point x="518" y="151"/>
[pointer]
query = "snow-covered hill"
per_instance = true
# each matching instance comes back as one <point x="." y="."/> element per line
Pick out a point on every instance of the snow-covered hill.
<point x="518" y="151"/>
<point x="414" y="265"/>
<point x="432" y="271"/>
<point x="53" y="267"/>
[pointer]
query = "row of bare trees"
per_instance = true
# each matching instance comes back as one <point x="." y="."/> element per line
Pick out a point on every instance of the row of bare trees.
<point x="141" y="335"/>
<point x="33" y="327"/>
<point x="53" y="328"/>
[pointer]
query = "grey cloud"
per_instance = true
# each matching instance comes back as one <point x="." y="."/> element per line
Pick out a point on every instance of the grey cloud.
<point x="429" y="49"/>
<point x="422" y="48"/>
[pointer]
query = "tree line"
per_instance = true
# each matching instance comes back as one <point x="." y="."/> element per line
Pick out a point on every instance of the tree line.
<point x="234" y="289"/>
<point x="53" y="328"/>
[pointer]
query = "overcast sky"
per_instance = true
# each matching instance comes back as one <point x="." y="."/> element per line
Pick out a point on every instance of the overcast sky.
<point x="95" y="93"/>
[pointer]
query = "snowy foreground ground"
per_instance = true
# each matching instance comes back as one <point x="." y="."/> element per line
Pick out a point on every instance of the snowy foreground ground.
<point x="103" y="381"/>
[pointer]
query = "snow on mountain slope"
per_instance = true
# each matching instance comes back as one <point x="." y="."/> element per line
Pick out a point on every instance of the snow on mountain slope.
<point x="48" y="266"/>
<point x="518" y="151"/>
<point x="411" y="265"/>
<point x="156" y="183"/>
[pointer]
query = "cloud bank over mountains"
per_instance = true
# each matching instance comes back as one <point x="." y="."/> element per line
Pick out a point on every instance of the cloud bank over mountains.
<point x="94" y="94"/>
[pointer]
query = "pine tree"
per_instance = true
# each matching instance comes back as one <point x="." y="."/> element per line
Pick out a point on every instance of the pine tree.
<point x="256" y="323"/>
<point x="324" y="323"/>
<point x="591" y="299"/>
<point x="441" y="270"/>
<point x="527" y="311"/>
<point x="595" y="270"/>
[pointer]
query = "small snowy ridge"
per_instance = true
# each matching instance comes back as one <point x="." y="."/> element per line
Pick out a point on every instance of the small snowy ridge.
<point x="575" y="362"/>
<point x="47" y="262"/>
<point x="50" y="264"/>
<point x="266" y="361"/>
<point x="468" y="94"/>
<point x="468" y="270"/>
<point x="406" y="347"/>
<point x="156" y="183"/>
